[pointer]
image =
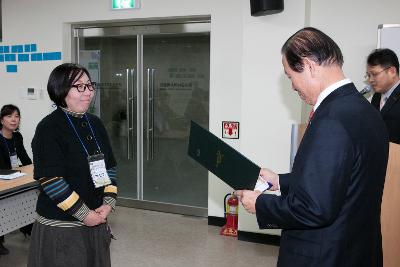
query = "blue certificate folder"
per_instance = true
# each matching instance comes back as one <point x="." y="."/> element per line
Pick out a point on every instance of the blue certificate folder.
<point x="221" y="159"/>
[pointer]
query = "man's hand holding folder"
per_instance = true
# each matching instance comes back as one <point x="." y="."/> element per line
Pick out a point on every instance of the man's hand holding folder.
<point x="267" y="180"/>
<point x="231" y="167"/>
<point x="227" y="163"/>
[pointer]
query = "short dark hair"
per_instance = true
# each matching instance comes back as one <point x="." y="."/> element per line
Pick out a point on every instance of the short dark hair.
<point x="313" y="44"/>
<point x="61" y="79"/>
<point x="383" y="57"/>
<point x="8" y="110"/>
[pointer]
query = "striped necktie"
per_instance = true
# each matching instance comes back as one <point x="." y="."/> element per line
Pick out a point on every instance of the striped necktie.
<point x="383" y="101"/>
<point x="310" y="116"/>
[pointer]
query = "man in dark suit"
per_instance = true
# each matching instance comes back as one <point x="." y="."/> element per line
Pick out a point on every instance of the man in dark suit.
<point x="383" y="76"/>
<point x="329" y="208"/>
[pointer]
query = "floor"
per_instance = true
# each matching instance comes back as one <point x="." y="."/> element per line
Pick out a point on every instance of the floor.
<point x="149" y="238"/>
<point x="166" y="177"/>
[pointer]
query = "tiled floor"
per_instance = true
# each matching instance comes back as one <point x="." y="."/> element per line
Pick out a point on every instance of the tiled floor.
<point x="148" y="238"/>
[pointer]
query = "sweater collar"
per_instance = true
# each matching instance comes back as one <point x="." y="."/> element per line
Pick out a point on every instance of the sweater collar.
<point x="72" y="113"/>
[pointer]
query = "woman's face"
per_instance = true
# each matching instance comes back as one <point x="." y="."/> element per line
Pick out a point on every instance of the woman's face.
<point x="79" y="101"/>
<point x="11" y="122"/>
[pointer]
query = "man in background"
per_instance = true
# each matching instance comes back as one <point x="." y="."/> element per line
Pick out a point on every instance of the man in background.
<point x="383" y="75"/>
<point x="330" y="203"/>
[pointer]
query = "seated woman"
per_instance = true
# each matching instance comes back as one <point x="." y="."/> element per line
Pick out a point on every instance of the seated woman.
<point x="12" y="150"/>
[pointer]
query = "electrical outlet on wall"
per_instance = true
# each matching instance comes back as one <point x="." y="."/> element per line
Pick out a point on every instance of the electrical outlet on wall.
<point x="30" y="93"/>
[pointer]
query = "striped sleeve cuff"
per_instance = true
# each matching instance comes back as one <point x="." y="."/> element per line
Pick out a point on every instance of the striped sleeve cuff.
<point x="82" y="212"/>
<point x="107" y="200"/>
<point x="110" y="191"/>
<point x="69" y="202"/>
<point x="65" y="198"/>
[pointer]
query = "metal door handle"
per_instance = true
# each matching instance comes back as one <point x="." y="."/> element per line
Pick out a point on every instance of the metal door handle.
<point x="128" y="117"/>
<point x="150" y="114"/>
<point x="130" y="100"/>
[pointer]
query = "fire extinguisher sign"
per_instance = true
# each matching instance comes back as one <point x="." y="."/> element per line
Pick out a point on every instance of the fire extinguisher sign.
<point x="230" y="129"/>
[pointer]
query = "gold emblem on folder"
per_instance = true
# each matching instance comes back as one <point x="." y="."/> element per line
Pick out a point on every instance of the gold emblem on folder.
<point x="219" y="158"/>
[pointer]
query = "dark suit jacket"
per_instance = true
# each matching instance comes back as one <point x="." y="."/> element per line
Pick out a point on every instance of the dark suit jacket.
<point x="390" y="113"/>
<point x="5" y="162"/>
<point x="331" y="201"/>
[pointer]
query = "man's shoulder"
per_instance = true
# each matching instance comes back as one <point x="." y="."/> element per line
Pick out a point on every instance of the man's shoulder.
<point x="345" y="97"/>
<point x="350" y="107"/>
<point x="396" y="92"/>
<point x="345" y="90"/>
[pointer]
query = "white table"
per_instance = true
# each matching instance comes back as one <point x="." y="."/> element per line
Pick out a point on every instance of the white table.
<point x="18" y="201"/>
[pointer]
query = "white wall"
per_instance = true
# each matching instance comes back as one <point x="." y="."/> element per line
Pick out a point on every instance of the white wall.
<point x="247" y="83"/>
<point x="255" y="92"/>
<point x="269" y="105"/>
<point x="225" y="84"/>
<point x="355" y="30"/>
<point x="45" y="22"/>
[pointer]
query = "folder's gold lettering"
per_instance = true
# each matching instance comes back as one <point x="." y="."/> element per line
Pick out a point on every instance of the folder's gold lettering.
<point x="219" y="158"/>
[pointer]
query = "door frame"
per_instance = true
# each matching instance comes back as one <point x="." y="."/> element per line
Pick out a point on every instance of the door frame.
<point x="140" y="28"/>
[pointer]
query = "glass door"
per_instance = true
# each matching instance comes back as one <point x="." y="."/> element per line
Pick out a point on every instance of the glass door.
<point x="115" y="101"/>
<point x="153" y="80"/>
<point x="176" y="91"/>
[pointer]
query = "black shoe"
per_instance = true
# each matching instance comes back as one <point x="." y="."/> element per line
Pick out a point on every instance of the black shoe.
<point x="26" y="230"/>
<point x="3" y="250"/>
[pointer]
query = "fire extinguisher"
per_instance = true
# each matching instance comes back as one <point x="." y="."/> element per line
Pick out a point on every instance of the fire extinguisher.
<point x="231" y="207"/>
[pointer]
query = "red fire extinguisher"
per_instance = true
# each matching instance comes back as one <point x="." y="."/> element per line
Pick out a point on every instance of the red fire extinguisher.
<point x="231" y="214"/>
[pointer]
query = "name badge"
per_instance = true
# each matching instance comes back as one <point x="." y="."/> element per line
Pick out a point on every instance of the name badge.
<point x="14" y="160"/>
<point x="98" y="170"/>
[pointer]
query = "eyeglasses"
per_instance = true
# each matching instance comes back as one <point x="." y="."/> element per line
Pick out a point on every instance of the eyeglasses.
<point x="82" y="87"/>
<point x="374" y="75"/>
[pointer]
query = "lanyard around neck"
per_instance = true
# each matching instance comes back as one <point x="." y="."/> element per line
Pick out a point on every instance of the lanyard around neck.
<point x="6" y="143"/>
<point x="77" y="134"/>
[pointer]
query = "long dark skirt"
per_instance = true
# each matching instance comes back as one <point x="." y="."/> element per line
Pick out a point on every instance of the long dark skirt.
<point x="79" y="246"/>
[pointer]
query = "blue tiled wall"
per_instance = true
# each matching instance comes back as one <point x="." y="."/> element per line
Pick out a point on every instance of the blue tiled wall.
<point x="24" y="53"/>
